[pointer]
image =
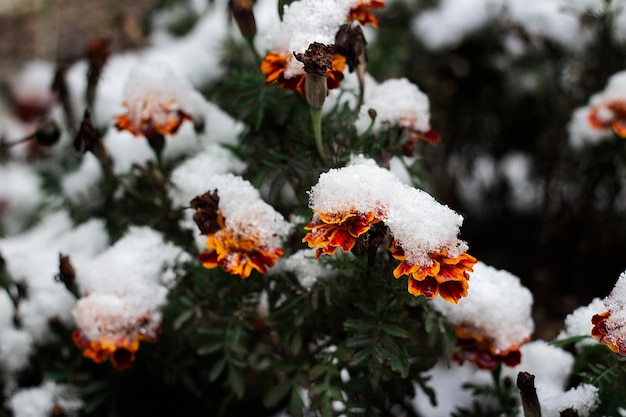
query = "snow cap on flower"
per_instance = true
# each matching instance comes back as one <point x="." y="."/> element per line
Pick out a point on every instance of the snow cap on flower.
<point x="496" y="314"/>
<point x="363" y="199"/>
<point x="249" y="231"/>
<point x="125" y="287"/>
<point x="610" y="327"/>
<point x="156" y="102"/>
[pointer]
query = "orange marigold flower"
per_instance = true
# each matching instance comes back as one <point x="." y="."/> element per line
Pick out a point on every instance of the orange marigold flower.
<point x="151" y="115"/>
<point x="119" y="347"/>
<point x="609" y="115"/>
<point x="474" y="346"/>
<point x="445" y="276"/>
<point x="237" y="254"/>
<point x="362" y="12"/>
<point x="332" y="231"/>
<point x="274" y="66"/>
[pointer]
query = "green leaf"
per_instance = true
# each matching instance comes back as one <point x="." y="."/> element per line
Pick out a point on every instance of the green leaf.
<point x="276" y="394"/>
<point x="318" y="370"/>
<point x="357" y="324"/>
<point x="212" y="346"/>
<point x="393" y="330"/>
<point x="296" y="343"/>
<point x="217" y="369"/>
<point x="296" y="405"/>
<point x="182" y="318"/>
<point x="235" y="380"/>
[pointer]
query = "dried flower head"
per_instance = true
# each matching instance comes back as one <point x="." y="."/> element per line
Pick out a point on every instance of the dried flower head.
<point x="275" y="65"/>
<point x="206" y="215"/>
<point x="241" y="11"/>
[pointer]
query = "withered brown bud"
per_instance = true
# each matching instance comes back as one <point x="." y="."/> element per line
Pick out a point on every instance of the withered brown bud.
<point x="350" y="42"/>
<point x="48" y="132"/>
<point x="97" y="54"/>
<point x="244" y="17"/>
<point x="67" y="273"/>
<point x="317" y="59"/>
<point x="89" y="139"/>
<point x="206" y="215"/>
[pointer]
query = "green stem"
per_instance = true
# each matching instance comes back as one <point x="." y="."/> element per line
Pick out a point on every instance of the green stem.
<point x="316" y="117"/>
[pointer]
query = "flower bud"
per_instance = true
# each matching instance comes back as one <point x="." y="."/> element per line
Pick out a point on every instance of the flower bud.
<point x="244" y="17"/>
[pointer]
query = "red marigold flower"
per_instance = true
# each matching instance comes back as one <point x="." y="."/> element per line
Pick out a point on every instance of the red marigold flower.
<point x="609" y="115"/>
<point x="610" y="327"/>
<point x="119" y="346"/>
<point x="477" y="347"/>
<point x="607" y="334"/>
<point x="238" y="254"/>
<point x="275" y="64"/>
<point x="445" y="276"/>
<point x="330" y="231"/>
<point x="362" y="12"/>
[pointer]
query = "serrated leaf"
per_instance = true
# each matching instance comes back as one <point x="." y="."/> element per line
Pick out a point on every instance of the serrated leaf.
<point x="276" y="394"/>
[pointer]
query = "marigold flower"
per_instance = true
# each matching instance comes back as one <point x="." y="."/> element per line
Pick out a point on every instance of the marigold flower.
<point x="274" y="66"/>
<point x="479" y="348"/>
<point x="151" y="115"/>
<point x="238" y="254"/>
<point x="119" y="346"/>
<point x="609" y="115"/>
<point x="244" y="232"/>
<point x="362" y="12"/>
<point x="330" y="231"/>
<point x="110" y="327"/>
<point x="607" y="333"/>
<point x="610" y="327"/>
<point x="493" y="321"/>
<point x="157" y="102"/>
<point x="445" y="276"/>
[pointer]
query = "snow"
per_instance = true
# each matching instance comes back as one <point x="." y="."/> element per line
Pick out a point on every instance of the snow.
<point x="497" y="305"/>
<point x="33" y="259"/>
<point x="396" y="101"/>
<point x="415" y="219"/>
<point x="304" y="266"/>
<point x="40" y="401"/>
<point x="126" y="283"/>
